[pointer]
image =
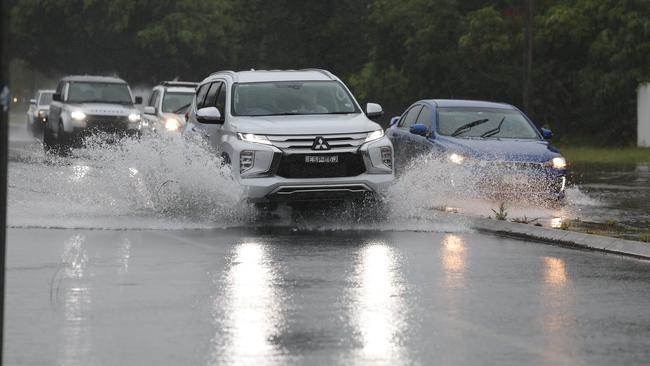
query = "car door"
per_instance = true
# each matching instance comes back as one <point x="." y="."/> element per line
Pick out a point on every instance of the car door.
<point x="211" y="94"/>
<point x="401" y="139"/>
<point x="418" y="144"/>
<point x="152" y="119"/>
<point x="55" y="108"/>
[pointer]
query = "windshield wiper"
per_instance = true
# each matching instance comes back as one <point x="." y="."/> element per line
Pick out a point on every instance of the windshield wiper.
<point x="181" y="108"/>
<point x="494" y="131"/>
<point x="468" y="126"/>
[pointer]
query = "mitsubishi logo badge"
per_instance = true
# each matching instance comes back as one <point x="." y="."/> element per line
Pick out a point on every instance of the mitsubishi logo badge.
<point x="320" y="144"/>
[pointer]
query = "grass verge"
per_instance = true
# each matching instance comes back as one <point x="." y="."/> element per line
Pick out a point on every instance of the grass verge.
<point x="605" y="155"/>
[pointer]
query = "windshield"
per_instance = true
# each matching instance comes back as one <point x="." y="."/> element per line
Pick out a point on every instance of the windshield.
<point x="485" y="123"/>
<point x="45" y="99"/>
<point x="86" y="92"/>
<point x="176" y="102"/>
<point x="291" y="97"/>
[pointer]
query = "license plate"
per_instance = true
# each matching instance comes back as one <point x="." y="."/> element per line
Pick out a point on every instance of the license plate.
<point x="317" y="159"/>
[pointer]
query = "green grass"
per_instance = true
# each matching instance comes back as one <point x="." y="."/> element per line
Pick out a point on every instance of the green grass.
<point x="605" y="155"/>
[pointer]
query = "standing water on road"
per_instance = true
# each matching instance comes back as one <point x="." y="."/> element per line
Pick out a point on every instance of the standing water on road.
<point x="171" y="182"/>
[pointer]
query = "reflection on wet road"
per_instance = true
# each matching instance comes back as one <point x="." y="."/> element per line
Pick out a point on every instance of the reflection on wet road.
<point x="281" y="297"/>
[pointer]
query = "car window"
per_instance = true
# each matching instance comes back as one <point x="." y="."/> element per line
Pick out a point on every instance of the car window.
<point x="221" y="99"/>
<point x="200" y="95"/>
<point x="45" y="99"/>
<point x="211" y="98"/>
<point x="410" y="117"/>
<point x="425" y="117"/>
<point x="152" y="98"/>
<point x="291" y="98"/>
<point x="176" y="102"/>
<point x="496" y="123"/>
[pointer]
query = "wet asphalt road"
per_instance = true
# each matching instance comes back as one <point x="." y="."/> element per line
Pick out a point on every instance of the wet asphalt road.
<point x="280" y="296"/>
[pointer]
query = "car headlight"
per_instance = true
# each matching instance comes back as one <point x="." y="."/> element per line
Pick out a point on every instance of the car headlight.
<point x="374" y="135"/>
<point x="78" y="115"/>
<point x="557" y="163"/>
<point x="172" y="124"/>
<point x="134" y="117"/>
<point x="456" y="158"/>
<point x="258" y="139"/>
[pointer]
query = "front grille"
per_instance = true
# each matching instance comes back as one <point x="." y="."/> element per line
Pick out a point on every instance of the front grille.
<point x="301" y="143"/>
<point x="294" y="166"/>
<point x="107" y="123"/>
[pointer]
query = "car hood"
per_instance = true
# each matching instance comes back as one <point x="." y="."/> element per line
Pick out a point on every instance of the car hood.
<point x="305" y="124"/>
<point x="105" y="109"/>
<point x="537" y="151"/>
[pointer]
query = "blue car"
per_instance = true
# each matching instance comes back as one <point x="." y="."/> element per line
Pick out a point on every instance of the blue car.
<point x="497" y="147"/>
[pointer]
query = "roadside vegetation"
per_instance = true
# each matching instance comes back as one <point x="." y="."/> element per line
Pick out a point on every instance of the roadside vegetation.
<point x="587" y="56"/>
<point x="605" y="155"/>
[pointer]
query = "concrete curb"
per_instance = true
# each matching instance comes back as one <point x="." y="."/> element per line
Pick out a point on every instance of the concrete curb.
<point x="563" y="237"/>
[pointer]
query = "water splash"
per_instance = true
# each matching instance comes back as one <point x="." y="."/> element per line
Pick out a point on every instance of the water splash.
<point x="128" y="183"/>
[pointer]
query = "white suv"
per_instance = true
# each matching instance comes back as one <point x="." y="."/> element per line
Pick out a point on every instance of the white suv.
<point x="293" y="135"/>
<point x="165" y="110"/>
<point x="83" y="105"/>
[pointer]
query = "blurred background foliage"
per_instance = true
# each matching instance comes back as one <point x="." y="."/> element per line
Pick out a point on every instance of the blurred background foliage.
<point x="589" y="56"/>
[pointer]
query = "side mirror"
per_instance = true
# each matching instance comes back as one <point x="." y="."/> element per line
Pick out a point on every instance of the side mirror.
<point x="56" y="97"/>
<point x="149" y="110"/>
<point x="32" y="101"/>
<point x="209" y="115"/>
<point x="138" y="100"/>
<point x="546" y="133"/>
<point x="393" y="121"/>
<point x="419" y="129"/>
<point x="374" y="111"/>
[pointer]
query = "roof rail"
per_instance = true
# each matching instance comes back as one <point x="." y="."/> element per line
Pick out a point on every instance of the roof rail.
<point x="188" y="84"/>
<point x="229" y="72"/>
<point x="324" y="72"/>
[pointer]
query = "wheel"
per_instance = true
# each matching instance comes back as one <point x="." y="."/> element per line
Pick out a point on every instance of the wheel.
<point x="63" y="141"/>
<point x="266" y="206"/>
<point x="49" y="143"/>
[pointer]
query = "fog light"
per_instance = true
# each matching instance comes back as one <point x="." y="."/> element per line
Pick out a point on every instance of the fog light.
<point x="387" y="156"/>
<point x="246" y="160"/>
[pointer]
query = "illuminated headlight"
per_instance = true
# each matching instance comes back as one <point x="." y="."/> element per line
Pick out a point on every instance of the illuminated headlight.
<point x="557" y="163"/>
<point x="456" y="158"/>
<point x="258" y="139"/>
<point x="246" y="160"/>
<point x="134" y="117"/>
<point x="386" y="156"/>
<point x="374" y="135"/>
<point x="172" y="124"/>
<point x="78" y="115"/>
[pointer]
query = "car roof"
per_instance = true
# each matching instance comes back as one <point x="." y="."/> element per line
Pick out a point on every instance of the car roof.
<point x="180" y="90"/>
<point x="94" y="79"/>
<point x="46" y="91"/>
<point x="442" y="103"/>
<point x="252" y="76"/>
<point x="176" y="83"/>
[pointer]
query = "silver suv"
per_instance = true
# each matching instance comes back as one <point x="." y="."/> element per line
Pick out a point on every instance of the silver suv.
<point x="86" y="104"/>
<point x="165" y="110"/>
<point x="37" y="112"/>
<point x="293" y="135"/>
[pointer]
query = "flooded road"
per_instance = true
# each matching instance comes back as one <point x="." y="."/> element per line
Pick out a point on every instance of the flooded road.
<point x="622" y="193"/>
<point x="285" y="297"/>
<point x="144" y="253"/>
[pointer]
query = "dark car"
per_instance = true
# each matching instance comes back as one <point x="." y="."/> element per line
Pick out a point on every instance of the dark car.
<point x="496" y="145"/>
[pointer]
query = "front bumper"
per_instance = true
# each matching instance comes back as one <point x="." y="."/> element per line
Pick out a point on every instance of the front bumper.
<point x="285" y="175"/>
<point x="278" y="189"/>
